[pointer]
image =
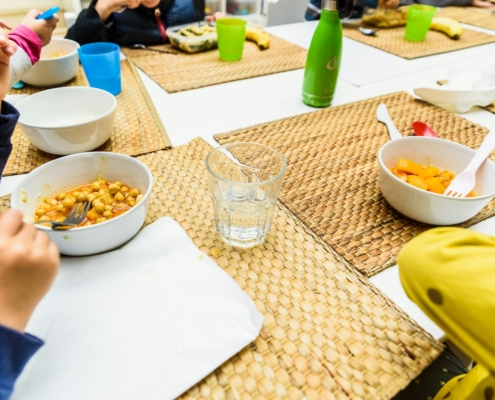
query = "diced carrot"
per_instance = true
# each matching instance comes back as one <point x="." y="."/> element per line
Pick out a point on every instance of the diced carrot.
<point x="452" y="175"/>
<point x="399" y="174"/>
<point x="408" y="166"/>
<point x="429" y="172"/>
<point x="417" y="181"/>
<point x="446" y="175"/>
<point x="435" y="185"/>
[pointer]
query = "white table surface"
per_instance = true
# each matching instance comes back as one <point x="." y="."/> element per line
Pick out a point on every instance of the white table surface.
<point x="217" y="109"/>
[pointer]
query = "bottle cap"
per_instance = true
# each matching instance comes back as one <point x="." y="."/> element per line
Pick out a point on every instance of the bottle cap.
<point x="329" y="5"/>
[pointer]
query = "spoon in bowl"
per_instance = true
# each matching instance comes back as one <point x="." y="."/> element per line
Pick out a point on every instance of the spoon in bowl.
<point x="421" y="129"/>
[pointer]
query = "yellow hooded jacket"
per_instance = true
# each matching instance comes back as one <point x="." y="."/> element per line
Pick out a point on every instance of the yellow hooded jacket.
<point x="450" y="274"/>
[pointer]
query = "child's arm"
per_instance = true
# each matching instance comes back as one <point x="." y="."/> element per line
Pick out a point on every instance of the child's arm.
<point x="30" y="37"/>
<point x="450" y="274"/>
<point x="8" y="114"/>
<point x="28" y="266"/>
<point x="20" y="63"/>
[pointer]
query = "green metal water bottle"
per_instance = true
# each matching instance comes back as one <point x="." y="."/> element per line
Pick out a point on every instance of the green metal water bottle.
<point x="324" y="55"/>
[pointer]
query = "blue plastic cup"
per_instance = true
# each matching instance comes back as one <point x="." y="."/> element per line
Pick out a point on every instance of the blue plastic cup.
<point x="101" y="64"/>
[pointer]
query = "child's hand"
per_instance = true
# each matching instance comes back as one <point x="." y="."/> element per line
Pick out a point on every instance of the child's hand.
<point x="482" y="4"/>
<point x="42" y="27"/>
<point x="106" y="7"/>
<point x="28" y="266"/>
<point x="5" y="25"/>
<point x="214" y="17"/>
<point x="7" y="50"/>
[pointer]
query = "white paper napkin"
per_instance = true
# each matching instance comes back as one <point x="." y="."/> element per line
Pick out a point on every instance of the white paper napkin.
<point x="463" y="91"/>
<point x="147" y="321"/>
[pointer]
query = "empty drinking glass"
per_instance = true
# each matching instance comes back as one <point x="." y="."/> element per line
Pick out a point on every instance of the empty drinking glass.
<point x="245" y="180"/>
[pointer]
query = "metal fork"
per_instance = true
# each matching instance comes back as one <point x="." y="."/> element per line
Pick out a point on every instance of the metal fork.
<point x="465" y="181"/>
<point x="74" y="218"/>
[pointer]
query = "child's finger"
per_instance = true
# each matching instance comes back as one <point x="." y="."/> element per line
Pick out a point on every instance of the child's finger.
<point x="7" y="47"/>
<point x="5" y="25"/>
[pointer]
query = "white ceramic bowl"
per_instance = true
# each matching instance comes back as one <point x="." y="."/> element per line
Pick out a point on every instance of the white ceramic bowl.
<point x="68" y="120"/>
<point x="428" y="207"/>
<point x="68" y="172"/>
<point x="54" y="71"/>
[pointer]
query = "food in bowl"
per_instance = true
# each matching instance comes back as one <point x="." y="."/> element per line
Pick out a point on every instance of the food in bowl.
<point x="424" y="177"/>
<point x="53" y="71"/>
<point x="193" y="39"/>
<point x="425" y="206"/>
<point x="56" y="55"/>
<point x="66" y="173"/>
<point x="109" y="199"/>
<point x="386" y="18"/>
<point x="68" y="120"/>
<point x="195" y="30"/>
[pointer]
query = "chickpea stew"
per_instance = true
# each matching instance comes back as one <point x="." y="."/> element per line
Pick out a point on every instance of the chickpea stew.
<point x="108" y="200"/>
<point x="425" y="177"/>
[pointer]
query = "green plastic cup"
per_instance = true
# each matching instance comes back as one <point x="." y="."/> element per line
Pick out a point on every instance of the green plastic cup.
<point x="418" y="22"/>
<point x="231" y="33"/>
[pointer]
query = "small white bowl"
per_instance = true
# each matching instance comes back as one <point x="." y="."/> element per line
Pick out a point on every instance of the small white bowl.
<point x="428" y="207"/>
<point x="68" y="120"/>
<point x="68" y="172"/>
<point x="54" y="71"/>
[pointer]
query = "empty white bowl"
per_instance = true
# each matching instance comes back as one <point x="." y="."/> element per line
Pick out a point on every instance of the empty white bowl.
<point x="428" y="207"/>
<point x="68" y="120"/>
<point x="52" y="71"/>
<point x="68" y="172"/>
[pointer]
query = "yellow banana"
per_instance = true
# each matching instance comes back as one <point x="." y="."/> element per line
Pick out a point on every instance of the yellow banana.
<point x="448" y="26"/>
<point x="259" y="36"/>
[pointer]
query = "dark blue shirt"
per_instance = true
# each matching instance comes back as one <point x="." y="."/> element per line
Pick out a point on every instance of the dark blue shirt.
<point x="139" y="25"/>
<point x="8" y="118"/>
<point x="16" y="349"/>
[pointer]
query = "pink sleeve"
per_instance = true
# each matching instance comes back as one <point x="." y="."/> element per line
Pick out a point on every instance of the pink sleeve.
<point x="28" y="41"/>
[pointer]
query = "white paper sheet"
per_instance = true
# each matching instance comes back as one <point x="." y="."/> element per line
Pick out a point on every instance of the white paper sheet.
<point x="463" y="91"/>
<point x="147" y="321"/>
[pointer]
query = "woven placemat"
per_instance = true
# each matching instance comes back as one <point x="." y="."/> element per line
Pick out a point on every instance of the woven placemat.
<point x="392" y="41"/>
<point x="138" y="128"/>
<point x="331" y="182"/>
<point x="469" y="15"/>
<point x="176" y="73"/>
<point x="328" y="333"/>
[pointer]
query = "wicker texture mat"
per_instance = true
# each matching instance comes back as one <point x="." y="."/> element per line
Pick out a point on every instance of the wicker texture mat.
<point x="138" y="128"/>
<point x="392" y="41"/>
<point x="328" y="333"/>
<point x="331" y="182"/>
<point x="176" y="73"/>
<point x="469" y="15"/>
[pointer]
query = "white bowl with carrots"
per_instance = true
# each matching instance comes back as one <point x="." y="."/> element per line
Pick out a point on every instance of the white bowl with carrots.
<point x="423" y="205"/>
